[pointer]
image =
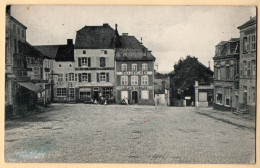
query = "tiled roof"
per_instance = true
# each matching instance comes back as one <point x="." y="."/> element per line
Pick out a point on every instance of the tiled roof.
<point x="48" y="50"/>
<point x="130" y="42"/>
<point x="248" y="23"/>
<point x="95" y="37"/>
<point x="32" y="51"/>
<point x="233" y="46"/>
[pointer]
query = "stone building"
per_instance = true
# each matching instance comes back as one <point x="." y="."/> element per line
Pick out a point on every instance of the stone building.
<point x="226" y="72"/>
<point x="134" y="68"/>
<point x="247" y="78"/>
<point x="94" y="63"/>
<point x="20" y="93"/>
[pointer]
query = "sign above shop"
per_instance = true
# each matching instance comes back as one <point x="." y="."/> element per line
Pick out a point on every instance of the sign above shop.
<point x="135" y="73"/>
<point x="134" y="87"/>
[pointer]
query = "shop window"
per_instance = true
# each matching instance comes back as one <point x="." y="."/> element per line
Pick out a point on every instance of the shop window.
<point x="107" y="92"/>
<point x="124" y="80"/>
<point x="124" y="95"/>
<point x="145" y="94"/>
<point x="72" y="92"/>
<point x="219" y="98"/>
<point x="124" y="67"/>
<point x="134" y="80"/>
<point x="144" y="67"/>
<point x="144" y="80"/>
<point x="61" y="92"/>
<point x="134" y="67"/>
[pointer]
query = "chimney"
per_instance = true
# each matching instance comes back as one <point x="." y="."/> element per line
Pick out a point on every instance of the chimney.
<point x="125" y="34"/>
<point x="209" y="64"/>
<point x="8" y="10"/>
<point x="69" y="41"/>
<point x="105" y="24"/>
<point x="250" y="17"/>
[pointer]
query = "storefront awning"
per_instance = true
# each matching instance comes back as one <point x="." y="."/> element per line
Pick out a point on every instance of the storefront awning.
<point x="31" y="86"/>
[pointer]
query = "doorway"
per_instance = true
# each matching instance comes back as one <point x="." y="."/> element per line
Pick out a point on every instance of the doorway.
<point x="134" y="97"/>
<point x="95" y="95"/>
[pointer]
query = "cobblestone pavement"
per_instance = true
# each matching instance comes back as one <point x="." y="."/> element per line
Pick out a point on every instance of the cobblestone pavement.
<point x="126" y="134"/>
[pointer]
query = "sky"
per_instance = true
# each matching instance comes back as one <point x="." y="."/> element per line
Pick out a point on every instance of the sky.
<point x="170" y="32"/>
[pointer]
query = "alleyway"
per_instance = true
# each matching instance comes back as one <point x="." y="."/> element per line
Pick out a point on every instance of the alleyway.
<point x="126" y="134"/>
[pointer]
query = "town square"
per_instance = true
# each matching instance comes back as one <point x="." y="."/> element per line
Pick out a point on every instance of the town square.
<point x="130" y="84"/>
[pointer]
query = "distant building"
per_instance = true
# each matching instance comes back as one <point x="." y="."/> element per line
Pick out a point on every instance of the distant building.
<point x="247" y="78"/>
<point x="182" y="83"/>
<point x="94" y="63"/>
<point x="226" y="70"/>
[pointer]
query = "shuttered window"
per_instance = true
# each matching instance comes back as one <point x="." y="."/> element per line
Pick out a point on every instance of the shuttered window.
<point x="102" y="61"/>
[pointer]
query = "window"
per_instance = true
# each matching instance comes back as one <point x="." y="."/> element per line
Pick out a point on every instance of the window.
<point x="107" y="92"/>
<point x="227" y="96"/>
<point x="66" y="77"/>
<point x="46" y="76"/>
<point x="28" y="60"/>
<point x="245" y="44"/>
<point x="70" y="65"/>
<point x="18" y="30"/>
<point x="134" y="67"/>
<point x="102" y="77"/>
<point x="253" y="94"/>
<point x="85" y="61"/>
<point x="227" y="72"/>
<point x="84" y="51"/>
<point x="253" y="67"/>
<point x="84" y="77"/>
<point x="105" y="51"/>
<point x="72" y="92"/>
<point x="124" y="80"/>
<point x="22" y="33"/>
<point x="15" y="46"/>
<point x="124" y="67"/>
<point x="144" y="67"/>
<point x="76" y="76"/>
<point x="145" y="94"/>
<point x="219" y="98"/>
<point x="59" y="65"/>
<point x="134" y="80"/>
<point x="102" y="61"/>
<point x="245" y="68"/>
<point x="60" y="77"/>
<point x="71" y="76"/>
<point x="144" y="80"/>
<point x="218" y="73"/>
<point x="253" y="42"/>
<point x="249" y="68"/>
<point x="241" y="69"/>
<point x="61" y="92"/>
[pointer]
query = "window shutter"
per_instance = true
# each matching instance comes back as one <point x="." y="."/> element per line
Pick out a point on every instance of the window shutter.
<point x="107" y="77"/>
<point x="89" y="62"/>
<point x="97" y="77"/>
<point x="79" y="77"/>
<point x="89" y="77"/>
<point x="79" y="61"/>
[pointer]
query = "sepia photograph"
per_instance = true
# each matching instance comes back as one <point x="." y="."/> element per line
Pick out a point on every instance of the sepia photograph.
<point x="130" y="84"/>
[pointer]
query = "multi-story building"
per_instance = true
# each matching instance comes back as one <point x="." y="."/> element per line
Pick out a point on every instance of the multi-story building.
<point x="20" y="92"/>
<point x="94" y="63"/>
<point x="226" y="72"/>
<point x="247" y="78"/>
<point x="134" y="68"/>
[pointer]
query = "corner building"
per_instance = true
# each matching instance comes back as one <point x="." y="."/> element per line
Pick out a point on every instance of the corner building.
<point x="247" y="79"/>
<point x="134" y="72"/>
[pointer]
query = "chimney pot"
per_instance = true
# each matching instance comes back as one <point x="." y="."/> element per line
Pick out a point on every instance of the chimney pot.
<point x="105" y="24"/>
<point x="125" y="34"/>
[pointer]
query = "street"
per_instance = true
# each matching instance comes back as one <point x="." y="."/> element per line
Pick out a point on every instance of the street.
<point x="126" y="134"/>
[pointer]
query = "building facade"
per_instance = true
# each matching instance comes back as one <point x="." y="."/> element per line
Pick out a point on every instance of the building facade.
<point x="247" y="74"/>
<point x="134" y="75"/>
<point x="94" y="63"/>
<point x="226" y="73"/>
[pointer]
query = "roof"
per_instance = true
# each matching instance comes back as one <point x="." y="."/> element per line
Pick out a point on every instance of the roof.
<point x="65" y="53"/>
<point x="233" y="47"/>
<point x="32" y="51"/>
<point x="134" y="55"/>
<point x="31" y="86"/>
<point x="252" y="21"/>
<point x="16" y="21"/>
<point x="48" y="50"/>
<point x="95" y="37"/>
<point x="131" y="49"/>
